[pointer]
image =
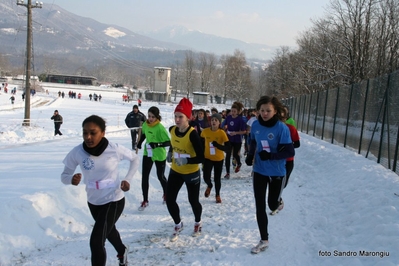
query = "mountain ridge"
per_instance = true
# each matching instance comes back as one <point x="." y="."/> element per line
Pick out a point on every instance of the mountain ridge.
<point x="62" y="35"/>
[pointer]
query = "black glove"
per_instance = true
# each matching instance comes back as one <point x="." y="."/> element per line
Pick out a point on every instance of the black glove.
<point x="169" y="157"/>
<point x="153" y="145"/>
<point x="264" y="155"/>
<point x="215" y="144"/>
<point x="138" y="146"/>
<point x="249" y="160"/>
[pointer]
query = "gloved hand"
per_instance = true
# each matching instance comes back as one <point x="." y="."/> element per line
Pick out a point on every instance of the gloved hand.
<point x="138" y="146"/>
<point x="264" y="155"/>
<point x="180" y="161"/>
<point x="153" y="145"/>
<point x="215" y="144"/>
<point x="169" y="157"/>
<point x="249" y="159"/>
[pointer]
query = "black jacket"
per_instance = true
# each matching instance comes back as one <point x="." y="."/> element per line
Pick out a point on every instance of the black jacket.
<point x="57" y="118"/>
<point x="134" y="119"/>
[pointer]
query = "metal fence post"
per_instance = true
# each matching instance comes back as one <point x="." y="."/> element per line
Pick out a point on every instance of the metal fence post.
<point x="376" y="123"/>
<point x="364" y="115"/>
<point x="324" y="115"/>
<point x="335" y="116"/>
<point x="310" y="107"/>
<point x="347" y="117"/>
<point x="395" y="157"/>
<point x="385" y="114"/>
<point x="303" y="113"/>
<point x="315" y="116"/>
<point x="294" y="104"/>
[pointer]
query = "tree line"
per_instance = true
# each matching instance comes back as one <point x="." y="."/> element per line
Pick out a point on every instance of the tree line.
<point x="355" y="40"/>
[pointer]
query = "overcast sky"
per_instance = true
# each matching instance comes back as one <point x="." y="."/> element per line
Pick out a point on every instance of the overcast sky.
<point x="271" y="22"/>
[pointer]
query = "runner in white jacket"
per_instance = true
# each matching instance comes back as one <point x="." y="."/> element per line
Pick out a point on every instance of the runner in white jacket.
<point x="98" y="160"/>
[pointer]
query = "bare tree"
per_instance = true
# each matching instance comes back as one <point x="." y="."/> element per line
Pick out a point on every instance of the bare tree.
<point x="357" y="40"/>
<point x="189" y="71"/>
<point x="237" y="76"/>
<point x="207" y="65"/>
<point x="82" y="71"/>
<point x="50" y="65"/>
<point x="3" y="65"/>
<point x="386" y="35"/>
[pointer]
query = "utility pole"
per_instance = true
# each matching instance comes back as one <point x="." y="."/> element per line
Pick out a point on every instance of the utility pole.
<point x="29" y="7"/>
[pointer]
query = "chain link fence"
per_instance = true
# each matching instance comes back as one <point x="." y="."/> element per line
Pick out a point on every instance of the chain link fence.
<point x="363" y="117"/>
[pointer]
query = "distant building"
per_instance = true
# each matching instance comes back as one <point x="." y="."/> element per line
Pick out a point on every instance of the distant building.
<point x="162" y="90"/>
<point x="200" y="98"/>
<point x="22" y="77"/>
<point x="71" y="79"/>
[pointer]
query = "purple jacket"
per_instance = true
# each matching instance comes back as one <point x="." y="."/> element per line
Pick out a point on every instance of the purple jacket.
<point x="235" y="124"/>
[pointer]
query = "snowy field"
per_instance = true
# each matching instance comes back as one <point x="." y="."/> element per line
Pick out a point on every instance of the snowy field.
<point x="340" y="208"/>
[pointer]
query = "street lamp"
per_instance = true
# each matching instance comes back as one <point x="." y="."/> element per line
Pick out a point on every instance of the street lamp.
<point x="29" y="7"/>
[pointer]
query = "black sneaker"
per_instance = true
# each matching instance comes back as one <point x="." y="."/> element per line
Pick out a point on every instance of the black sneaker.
<point x="279" y="208"/>
<point x="238" y="167"/>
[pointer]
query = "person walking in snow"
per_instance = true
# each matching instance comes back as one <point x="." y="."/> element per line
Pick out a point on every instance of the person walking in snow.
<point x="12" y="98"/>
<point x="270" y="146"/>
<point x="215" y="142"/>
<point x="235" y="128"/>
<point x="202" y="119"/>
<point x="289" y="164"/>
<point x="157" y="139"/>
<point x="289" y="120"/>
<point x="134" y="120"/>
<point x="57" y="123"/>
<point x="98" y="160"/>
<point x="185" y="153"/>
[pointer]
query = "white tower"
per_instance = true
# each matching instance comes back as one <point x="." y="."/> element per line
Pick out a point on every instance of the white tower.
<point x="162" y="79"/>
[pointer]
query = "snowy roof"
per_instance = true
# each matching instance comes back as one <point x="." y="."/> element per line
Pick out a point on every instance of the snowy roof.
<point x="200" y="93"/>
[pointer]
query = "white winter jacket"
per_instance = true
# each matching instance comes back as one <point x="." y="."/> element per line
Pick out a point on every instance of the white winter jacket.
<point x="100" y="173"/>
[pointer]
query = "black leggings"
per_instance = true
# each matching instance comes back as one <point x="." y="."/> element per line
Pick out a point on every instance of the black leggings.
<point x="146" y="169"/>
<point x="105" y="217"/>
<point x="57" y="127"/>
<point x="175" y="182"/>
<point x="133" y="134"/>
<point x="289" y="166"/>
<point x="275" y="188"/>
<point x="207" y="170"/>
<point x="235" y="149"/>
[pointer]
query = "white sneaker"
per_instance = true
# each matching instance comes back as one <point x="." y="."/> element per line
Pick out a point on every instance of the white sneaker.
<point x="279" y="208"/>
<point x="175" y="235"/>
<point x="143" y="205"/>
<point x="123" y="259"/>
<point x="197" y="229"/>
<point x="261" y="246"/>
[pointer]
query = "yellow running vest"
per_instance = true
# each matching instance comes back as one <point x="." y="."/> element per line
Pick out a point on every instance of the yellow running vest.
<point x="182" y="147"/>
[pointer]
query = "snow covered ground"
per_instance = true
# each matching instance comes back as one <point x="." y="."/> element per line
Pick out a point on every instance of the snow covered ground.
<point x="340" y="208"/>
